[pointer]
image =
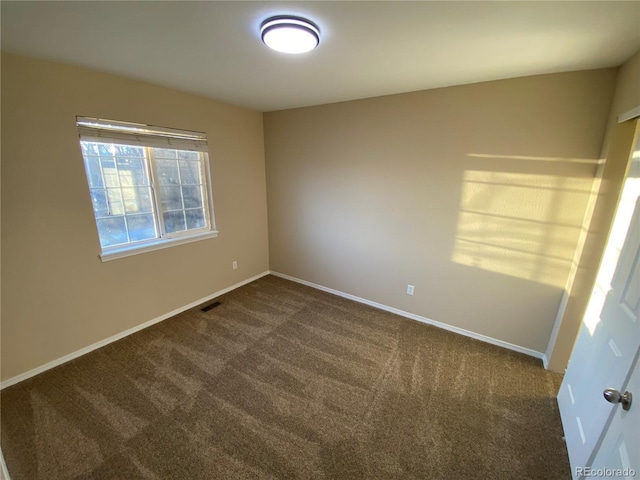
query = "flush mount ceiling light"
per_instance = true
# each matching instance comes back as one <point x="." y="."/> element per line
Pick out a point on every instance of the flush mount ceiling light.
<point x="290" y="34"/>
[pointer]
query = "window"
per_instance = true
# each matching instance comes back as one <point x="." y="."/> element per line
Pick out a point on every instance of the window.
<point x="149" y="186"/>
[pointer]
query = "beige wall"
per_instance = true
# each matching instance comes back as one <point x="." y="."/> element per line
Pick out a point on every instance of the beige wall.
<point x="473" y="194"/>
<point x="617" y="146"/>
<point x="57" y="296"/>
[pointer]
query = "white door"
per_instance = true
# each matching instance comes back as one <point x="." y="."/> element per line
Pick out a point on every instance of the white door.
<point x="619" y="454"/>
<point x="603" y="355"/>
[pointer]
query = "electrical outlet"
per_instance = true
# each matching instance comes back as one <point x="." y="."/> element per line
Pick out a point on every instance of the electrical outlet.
<point x="234" y="265"/>
<point x="409" y="289"/>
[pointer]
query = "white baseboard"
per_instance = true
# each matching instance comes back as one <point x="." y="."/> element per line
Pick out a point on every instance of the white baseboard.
<point x="106" y="341"/>
<point x="413" y="316"/>
<point x="545" y="361"/>
<point x="102" y="343"/>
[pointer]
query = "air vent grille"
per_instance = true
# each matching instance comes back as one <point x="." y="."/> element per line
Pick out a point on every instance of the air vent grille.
<point x="210" y="306"/>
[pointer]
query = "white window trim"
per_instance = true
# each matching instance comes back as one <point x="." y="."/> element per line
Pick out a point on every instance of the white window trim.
<point x="130" y="250"/>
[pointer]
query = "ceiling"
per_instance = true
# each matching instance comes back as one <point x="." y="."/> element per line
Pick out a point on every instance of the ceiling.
<point x="367" y="49"/>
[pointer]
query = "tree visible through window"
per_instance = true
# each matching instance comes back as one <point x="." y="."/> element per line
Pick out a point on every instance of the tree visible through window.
<point x="142" y="190"/>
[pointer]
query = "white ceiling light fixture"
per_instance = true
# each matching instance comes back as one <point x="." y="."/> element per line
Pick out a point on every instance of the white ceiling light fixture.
<point x="290" y="34"/>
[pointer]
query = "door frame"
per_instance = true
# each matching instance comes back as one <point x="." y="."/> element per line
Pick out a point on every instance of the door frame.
<point x="603" y="203"/>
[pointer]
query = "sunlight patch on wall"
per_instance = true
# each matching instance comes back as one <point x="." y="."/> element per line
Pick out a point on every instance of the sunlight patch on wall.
<point x="520" y="224"/>
<point x="619" y="230"/>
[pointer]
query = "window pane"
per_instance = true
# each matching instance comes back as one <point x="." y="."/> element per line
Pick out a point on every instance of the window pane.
<point x="112" y="231"/>
<point x="190" y="172"/>
<point x="99" y="200"/>
<point x="195" y="218"/>
<point x="167" y="172"/>
<point x="165" y="153"/>
<point x="94" y="174"/>
<point x="192" y="197"/>
<point x="174" y="222"/>
<point x="171" y="198"/>
<point x="126" y="179"/>
<point x="137" y="200"/>
<point x="181" y="193"/>
<point x="115" y="201"/>
<point x="109" y="172"/>
<point x="106" y="149"/>
<point x="132" y="172"/>
<point x="129" y="151"/>
<point x="89" y="148"/>
<point x="187" y="155"/>
<point x="111" y="177"/>
<point x="141" y="227"/>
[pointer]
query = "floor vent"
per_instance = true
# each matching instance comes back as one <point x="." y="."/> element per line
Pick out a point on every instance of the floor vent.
<point x="210" y="306"/>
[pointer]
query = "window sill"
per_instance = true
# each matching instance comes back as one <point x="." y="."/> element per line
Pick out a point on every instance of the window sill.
<point x="128" y="251"/>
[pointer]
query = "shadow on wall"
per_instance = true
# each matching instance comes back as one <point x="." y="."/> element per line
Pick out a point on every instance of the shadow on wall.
<point x="519" y="223"/>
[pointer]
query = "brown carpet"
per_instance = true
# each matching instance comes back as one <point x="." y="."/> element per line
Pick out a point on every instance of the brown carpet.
<point x="283" y="381"/>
